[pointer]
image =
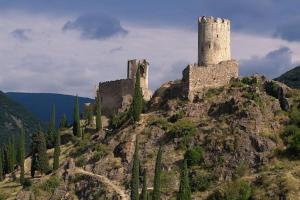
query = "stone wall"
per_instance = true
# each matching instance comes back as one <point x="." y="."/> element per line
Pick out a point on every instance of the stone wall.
<point x="213" y="40"/>
<point x="116" y="95"/>
<point x="197" y="78"/>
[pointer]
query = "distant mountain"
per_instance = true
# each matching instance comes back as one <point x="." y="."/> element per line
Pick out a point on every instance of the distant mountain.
<point x="13" y="116"/>
<point x="40" y="104"/>
<point x="291" y="78"/>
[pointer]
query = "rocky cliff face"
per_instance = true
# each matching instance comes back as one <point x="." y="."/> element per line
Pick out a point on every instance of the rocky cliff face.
<point x="236" y="129"/>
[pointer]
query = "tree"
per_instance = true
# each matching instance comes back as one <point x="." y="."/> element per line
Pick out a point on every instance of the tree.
<point x="56" y="151"/>
<point x="76" y="119"/>
<point x="135" y="176"/>
<point x="156" y="184"/>
<point x="1" y="166"/>
<point x="184" y="188"/>
<point x="98" y="112"/>
<point x="40" y="160"/>
<point x="21" y="154"/>
<point x="11" y="153"/>
<point x="137" y="98"/>
<point x="52" y="128"/>
<point x="144" y="189"/>
<point x="63" y="121"/>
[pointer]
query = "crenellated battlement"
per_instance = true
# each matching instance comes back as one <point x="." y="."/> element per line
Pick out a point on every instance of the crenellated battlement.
<point x="213" y="20"/>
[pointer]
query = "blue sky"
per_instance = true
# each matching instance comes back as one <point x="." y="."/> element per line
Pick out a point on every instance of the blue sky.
<point x="68" y="46"/>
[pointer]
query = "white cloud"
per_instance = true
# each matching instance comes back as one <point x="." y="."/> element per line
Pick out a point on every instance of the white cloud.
<point x="57" y="61"/>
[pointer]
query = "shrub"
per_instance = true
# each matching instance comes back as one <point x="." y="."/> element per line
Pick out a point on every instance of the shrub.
<point x="295" y="116"/>
<point x="288" y="132"/>
<point x="214" y="91"/>
<point x="119" y="119"/>
<point x="27" y="183"/>
<point x="236" y="190"/>
<point x="51" y="184"/>
<point x="249" y="80"/>
<point x="294" y="144"/>
<point x="272" y="88"/>
<point x="81" y="161"/>
<point x="194" y="156"/>
<point x="161" y="122"/>
<point x="178" y="115"/>
<point x="183" y="127"/>
<point x="200" y="180"/>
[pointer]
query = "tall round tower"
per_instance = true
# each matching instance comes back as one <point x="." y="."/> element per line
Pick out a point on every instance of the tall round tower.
<point x="213" y="40"/>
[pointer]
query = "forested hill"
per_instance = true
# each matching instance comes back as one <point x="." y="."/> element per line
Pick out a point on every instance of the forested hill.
<point x="12" y="116"/>
<point x="40" y="104"/>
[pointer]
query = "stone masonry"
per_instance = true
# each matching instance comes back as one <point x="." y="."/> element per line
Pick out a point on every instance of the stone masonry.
<point x="215" y="67"/>
<point x="117" y="95"/>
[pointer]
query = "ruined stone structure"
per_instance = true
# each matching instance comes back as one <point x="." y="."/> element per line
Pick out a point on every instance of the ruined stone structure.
<point x="215" y="67"/>
<point x="117" y="95"/>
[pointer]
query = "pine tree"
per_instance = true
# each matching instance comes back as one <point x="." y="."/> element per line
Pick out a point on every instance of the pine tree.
<point x="63" y="121"/>
<point x="144" y="189"/>
<point x="56" y="151"/>
<point x="21" y="154"/>
<point x="52" y="128"/>
<point x="184" y="188"/>
<point x="76" y="119"/>
<point x="137" y="98"/>
<point x="1" y="166"/>
<point x="156" y="184"/>
<point x="135" y="176"/>
<point x="98" y="112"/>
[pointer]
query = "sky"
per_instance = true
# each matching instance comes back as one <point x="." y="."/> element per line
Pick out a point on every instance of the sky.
<point x="69" y="46"/>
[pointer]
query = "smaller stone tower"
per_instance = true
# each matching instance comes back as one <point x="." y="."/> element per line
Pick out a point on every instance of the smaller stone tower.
<point x="213" y="40"/>
<point x="131" y="73"/>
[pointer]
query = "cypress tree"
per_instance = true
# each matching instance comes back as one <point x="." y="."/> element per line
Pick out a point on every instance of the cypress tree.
<point x="21" y="154"/>
<point x="11" y="159"/>
<point x="63" y="121"/>
<point x="137" y="98"/>
<point x="76" y="119"/>
<point x="34" y="164"/>
<point x="135" y="176"/>
<point x="156" y="184"/>
<point x="1" y="166"/>
<point x="98" y="112"/>
<point x="184" y="188"/>
<point x="39" y="153"/>
<point x="52" y="128"/>
<point x="5" y="159"/>
<point x="56" y="151"/>
<point x="144" y="189"/>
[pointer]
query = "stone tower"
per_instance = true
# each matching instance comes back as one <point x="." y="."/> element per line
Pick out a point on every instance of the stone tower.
<point x="213" y="40"/>
<point x="131" y="73"/>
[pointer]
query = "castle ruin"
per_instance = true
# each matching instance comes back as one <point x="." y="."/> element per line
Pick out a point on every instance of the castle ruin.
<point x="215" y="67"/>
<point x="117" y="95"/>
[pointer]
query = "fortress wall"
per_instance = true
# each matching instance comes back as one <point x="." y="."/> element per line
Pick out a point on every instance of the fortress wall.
<point x="196" y="78"/>
<point x="116" y="95"/>
<point x="213" y="40"/>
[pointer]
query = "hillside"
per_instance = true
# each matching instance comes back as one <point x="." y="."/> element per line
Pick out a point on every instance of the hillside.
<point x="291" y="78"/>
<point x="12" y="117"/>
<point x="40" y="104"/>
<point x="236" y="139"/>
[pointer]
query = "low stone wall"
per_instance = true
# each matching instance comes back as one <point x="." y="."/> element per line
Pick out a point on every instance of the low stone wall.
<point x="196" y="78"/>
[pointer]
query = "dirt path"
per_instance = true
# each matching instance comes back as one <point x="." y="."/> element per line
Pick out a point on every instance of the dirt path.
<point x="118" y="189"/>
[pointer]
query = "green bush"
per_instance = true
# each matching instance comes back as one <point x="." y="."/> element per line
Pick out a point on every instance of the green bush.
<point x="81" y="161"/>
<point x="272" y="88"/>
<point x="249" y="80"/>
<point x="101" y="150"/>
<point x="27" y="183"/>
<point x="194" y="156"/>
<point x="236" y="190"/>
<point x="161" y="122"/>
<point x="295" y="116"/>
<point x="288" y="132"/>
<point x="214" y="91"/>
<point x="178" y="115"/>
<point x="294" y="144"/>
<point x="51" y="184"/>
<point x="119" y="119"/>
<point x="200" y="180"/>
<point x="183" y="127"/>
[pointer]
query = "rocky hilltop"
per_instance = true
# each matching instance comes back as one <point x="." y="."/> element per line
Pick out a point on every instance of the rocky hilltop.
<point x="236" y="139"/>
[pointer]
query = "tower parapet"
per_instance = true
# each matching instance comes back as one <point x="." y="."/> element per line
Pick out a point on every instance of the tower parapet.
<point x="213" y="40"/>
